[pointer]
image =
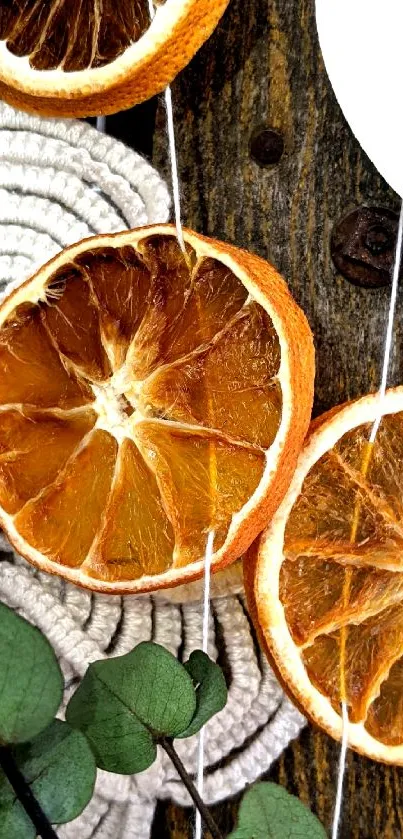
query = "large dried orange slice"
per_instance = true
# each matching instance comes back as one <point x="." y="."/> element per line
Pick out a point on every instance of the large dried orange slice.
<point x="85" y="57"/>
<point x="328" y="583"/>
<point x="146" y="399"/>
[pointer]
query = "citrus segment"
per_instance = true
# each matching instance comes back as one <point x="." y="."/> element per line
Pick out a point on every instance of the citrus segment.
<point x="170" y="284"/>
<point x="213" y="297"/>
<point x="386" y="465"/>
<point x="63" y="520"/>
<point x="34" y="447"/>
<point x="72" y="321"/>
<point x="204" y="480"/>
<point x="371" y="649"/>
<point x="189" y="306"/>
<point x="324" y="511"/>
<point x="231" y="386"/>
<point x="136" y="536"/>
<point x="385" y="715"/>
<point x="72" y="34"/>
<point x="82" y="57"/>
<point x="120" y="282"/>
<point x="322" y="519"/>
<point x="136" y="473"/>
<point x="328" y="588"/>
<point x="319" y="585"/>
<point x="31" y="371"/>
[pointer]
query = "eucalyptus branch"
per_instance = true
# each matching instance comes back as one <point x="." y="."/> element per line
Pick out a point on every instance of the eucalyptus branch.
<point x="209" y="822"/>
<point x="25" y="795"/>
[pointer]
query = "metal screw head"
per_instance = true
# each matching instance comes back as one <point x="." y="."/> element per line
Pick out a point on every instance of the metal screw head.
<point x="379" y="239"/>
<point x="363" y="246"/>
<point x="266" y="146"/>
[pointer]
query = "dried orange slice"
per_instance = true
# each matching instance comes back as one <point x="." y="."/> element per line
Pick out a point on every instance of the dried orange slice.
<point x="327" y="581"/>
<point x="85" y="57"/>
<point x="146" y="399"/>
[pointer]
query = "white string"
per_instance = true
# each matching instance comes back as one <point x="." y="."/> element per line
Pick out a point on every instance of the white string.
<point x="101" y="127"/>
<point x="389" y="331"/>
<point x="210" y="539"/>
<point x="172" y="154"/>
<point x="174" y="168"/>
<point x="206" y="614"/>
<point x="341" y="773"/>
<point x="374" y="431"/>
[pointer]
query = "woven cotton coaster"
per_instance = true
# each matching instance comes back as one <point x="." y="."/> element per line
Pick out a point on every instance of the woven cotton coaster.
<point x="61" y="181"/>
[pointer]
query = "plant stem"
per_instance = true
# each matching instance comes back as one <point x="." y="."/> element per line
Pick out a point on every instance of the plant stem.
<point x="199" y="803"/>
<point x="25" y="795"/>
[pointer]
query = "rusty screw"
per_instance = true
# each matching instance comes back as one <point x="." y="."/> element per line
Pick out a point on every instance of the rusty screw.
<point x="266" y="146"/>
<point x="363" y="246"/>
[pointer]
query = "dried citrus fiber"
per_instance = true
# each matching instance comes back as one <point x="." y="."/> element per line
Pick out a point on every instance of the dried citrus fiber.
<point x="145" y="402"/>
<point x="328" y="587"/>
<point x="73" y="58"/>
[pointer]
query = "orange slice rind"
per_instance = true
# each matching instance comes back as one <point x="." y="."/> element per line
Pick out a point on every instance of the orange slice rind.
<point x="72" y="58"/>
<point x="324" y="645"/>
<point x="144" y="403"/>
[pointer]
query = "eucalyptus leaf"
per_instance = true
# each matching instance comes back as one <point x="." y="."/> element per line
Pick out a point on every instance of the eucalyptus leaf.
<point x="211" y="690"/>
<point x="268" y="811"/>
<point x="124" y="705"/>
<point x="14" y="822"/>
<point x="119" y="741"/>
<point x="31" y="683"/>
<point x="60" y="768"/>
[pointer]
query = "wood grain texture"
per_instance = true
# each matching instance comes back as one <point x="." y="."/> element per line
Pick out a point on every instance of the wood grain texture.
<point x="263" y="67"/>
<point x="308" y="769"/>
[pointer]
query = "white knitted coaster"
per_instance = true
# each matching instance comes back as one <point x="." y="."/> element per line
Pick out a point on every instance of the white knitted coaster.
<point x="61" y="181"/>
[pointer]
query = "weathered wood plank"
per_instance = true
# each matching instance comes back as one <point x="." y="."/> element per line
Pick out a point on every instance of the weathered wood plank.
<point x="263" y="67"/>
<point x="308" y="768"/>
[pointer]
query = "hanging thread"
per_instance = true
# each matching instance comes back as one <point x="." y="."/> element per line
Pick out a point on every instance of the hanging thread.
<point x="101" y="124"/>
<point x="174" y="168"/>
<point x="367" y="456"/>
<point x="172" y="155"/>
<point x="210" y="540"/>
<point x="206" y="614"/>
<point x="389" y="331"/>
<point x="341" y="772"/>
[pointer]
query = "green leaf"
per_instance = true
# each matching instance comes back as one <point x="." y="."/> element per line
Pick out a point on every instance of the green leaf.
<point x="125" y="704"/>
<point x="211" y="690"/>
<point x="119" y="741"/>
<point x="268" y="811"/>
<point x="31" y="683"/>
<point x="14" y="822"/>
<point x="60" y="768"/>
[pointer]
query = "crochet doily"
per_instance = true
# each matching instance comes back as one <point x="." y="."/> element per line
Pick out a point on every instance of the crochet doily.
<point x="61" y="181"/>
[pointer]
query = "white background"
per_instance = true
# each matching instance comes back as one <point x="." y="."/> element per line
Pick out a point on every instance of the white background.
<point x="362" y="46"/>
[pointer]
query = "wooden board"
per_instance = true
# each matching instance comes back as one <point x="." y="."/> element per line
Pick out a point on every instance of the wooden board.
<point x="373" y="806"/>
<point x="262" y="68"/>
